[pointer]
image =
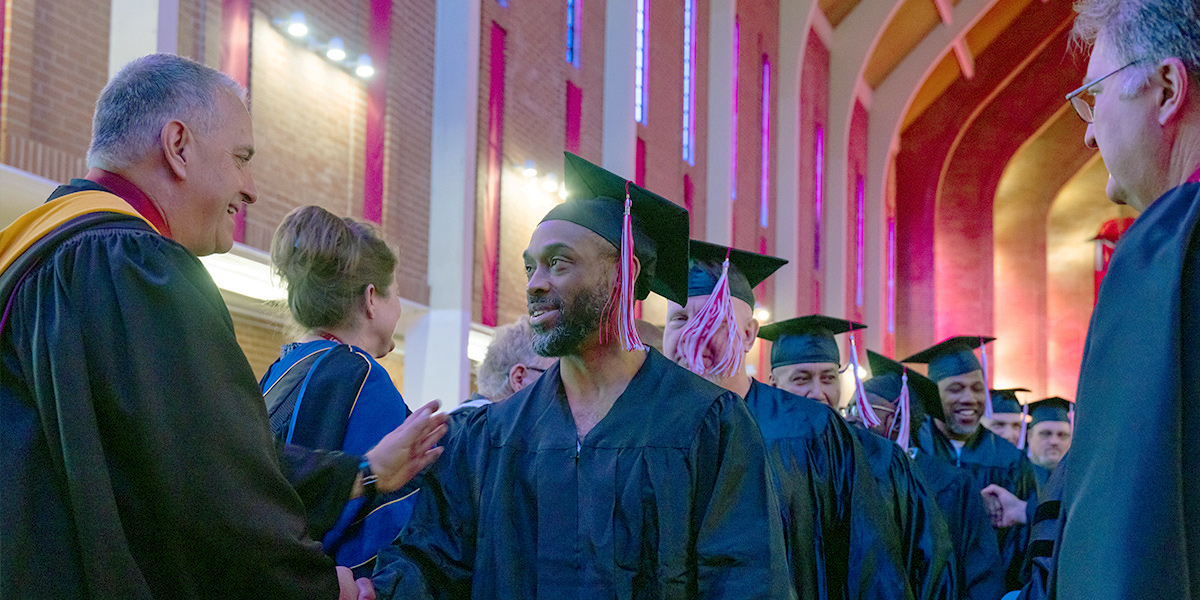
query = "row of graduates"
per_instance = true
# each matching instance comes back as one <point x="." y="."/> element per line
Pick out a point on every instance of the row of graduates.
<point x="695" y="479"/>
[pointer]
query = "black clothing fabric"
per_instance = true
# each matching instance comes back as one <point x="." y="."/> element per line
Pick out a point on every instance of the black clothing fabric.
<point x="323" y="480"/>
<point x="668" y="496"/>
<point x="925" y="540"/>
<point x="136" y="459"/>
<point x="990" y="459"/>
<point x="1044" y="535"/>
<point x="980" y="574"/>
<point x="841" y="541"/>
<point x="1131" y="498"/>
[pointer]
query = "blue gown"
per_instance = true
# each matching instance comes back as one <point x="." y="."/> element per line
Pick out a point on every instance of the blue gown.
<point x="349" y="404"/>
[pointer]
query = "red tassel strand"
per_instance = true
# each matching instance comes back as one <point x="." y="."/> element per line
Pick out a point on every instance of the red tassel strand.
<point x="1024" y="426"/>
<point x="716" y="314"/>
<point x="626" y="327"/>
<point x="904" y="412"/>
<point x="987" y="398"/>
<point x="864" y="408"/>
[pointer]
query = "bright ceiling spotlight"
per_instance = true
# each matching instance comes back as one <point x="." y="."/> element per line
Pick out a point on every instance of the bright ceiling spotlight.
<point x="297" y="26"/>
<point x="364" y="68"/>
<point x="337" y="50"/>
<point x="530" y="169"/>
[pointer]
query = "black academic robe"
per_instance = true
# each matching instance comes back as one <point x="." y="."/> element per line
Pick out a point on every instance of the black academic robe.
<point x="925" y="540"/>
<point x="1042" y="474"/>
<point x="1045" y="533"/>
<point x="842" y="543"/>
<point x="990" y="459"/>
<point x="1132" y="494"/>
<point x="136" y="458"/>
<point x="668" y="496"/>
<point x="980" y="574"/>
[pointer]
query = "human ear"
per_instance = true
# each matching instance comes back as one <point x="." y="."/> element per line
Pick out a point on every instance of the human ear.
<point x="176" y="141"/>
<point x="1173" y="78"/>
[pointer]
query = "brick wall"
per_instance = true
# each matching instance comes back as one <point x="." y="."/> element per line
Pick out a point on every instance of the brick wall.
<point x="57" y="64"/>
<point x="536" y="72"/>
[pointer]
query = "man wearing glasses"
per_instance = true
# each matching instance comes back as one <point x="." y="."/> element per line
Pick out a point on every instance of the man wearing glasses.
<point x="1132" y="481"/>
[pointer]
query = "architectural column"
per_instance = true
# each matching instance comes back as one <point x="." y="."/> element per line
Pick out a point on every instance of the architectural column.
<point x="718" y="207"/>
<point x="854" y="40"/>
<point x="435" y="357"/>
<point x="619" y="147"/>
<point x="795" y="17"/>
<point x="141" y="27"/>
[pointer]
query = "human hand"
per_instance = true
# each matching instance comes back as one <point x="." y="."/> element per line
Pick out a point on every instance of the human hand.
<point x="366" y="589"/>
<point x="1004" y="508"/>
<point x="347" y="590"/>
<point x="408" y="449"/>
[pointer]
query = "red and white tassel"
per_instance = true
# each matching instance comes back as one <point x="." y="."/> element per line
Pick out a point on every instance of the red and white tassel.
<point x="864" y="408"/>
<point x="716" y="314"/>
<point x="904" y="412"/>
<point x="1024" y="426"/>
<point x="625" y="326"/>
<point x="987" y="387"/>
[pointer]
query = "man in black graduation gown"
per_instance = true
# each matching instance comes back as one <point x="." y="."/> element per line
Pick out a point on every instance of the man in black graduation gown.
<point x="805" y="360"/>
<point x="1131" y="499"/>
<point x="961" y="440"/>
<point x="980" y="575"/>
<point x="617" y="474"/>
<point x="1049" y="434"/>
<point x="137" y="461"/>
<point x="836" y="523"/>
<point x="1009" y="418"/>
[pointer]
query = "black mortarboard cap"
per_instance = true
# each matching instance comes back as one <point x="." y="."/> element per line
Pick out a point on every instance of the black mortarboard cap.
<point x="886" y="377"/>
<point x="1050" y="409"/>
<point x="596" y="200"/>
<point x="746" y="270"/>
<point x="951" y="357"/>
<point x="1005" y="401"/>
<point x="806" y="339"/>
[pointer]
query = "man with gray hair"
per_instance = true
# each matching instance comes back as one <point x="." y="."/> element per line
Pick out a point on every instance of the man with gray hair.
<point x="510" y="364"/>
<point x="137" y="461"/>
<point x="1131" y="496"/>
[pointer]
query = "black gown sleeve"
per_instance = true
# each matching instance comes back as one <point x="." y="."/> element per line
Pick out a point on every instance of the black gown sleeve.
<point x="156" y="422"/>
<point x="434" y="556"/>
<point x="982" y="569"/>
<point x="925" y="535"/>
<point x="323" y="479"/>
<point x="739" y="533"/>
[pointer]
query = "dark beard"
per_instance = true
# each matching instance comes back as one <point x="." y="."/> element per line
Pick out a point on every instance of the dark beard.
<point x="577" y="321"/>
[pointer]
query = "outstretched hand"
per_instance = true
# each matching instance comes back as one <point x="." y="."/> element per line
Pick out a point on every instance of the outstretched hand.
<point x="408" y="449"/>
<point x="1003" y="506"/>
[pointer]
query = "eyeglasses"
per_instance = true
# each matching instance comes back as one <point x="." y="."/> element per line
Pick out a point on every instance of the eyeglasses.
<point x="1082" y="104"/>
<point x="535" y="369"/>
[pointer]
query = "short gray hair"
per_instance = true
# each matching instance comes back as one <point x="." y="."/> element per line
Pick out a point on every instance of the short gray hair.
<point x="146" y="94"/>
<point x="512" y="344"/>
<point x="1142" y="30"/>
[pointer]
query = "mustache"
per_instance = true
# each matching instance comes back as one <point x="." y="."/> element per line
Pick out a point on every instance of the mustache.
<point x="543" y="303"/>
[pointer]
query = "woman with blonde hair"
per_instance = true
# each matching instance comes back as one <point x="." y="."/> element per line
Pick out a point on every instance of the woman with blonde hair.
<point x="326" y="390"/>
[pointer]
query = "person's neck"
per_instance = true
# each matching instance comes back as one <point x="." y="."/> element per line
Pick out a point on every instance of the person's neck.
<point x="596" y="375"/>
<point x="738" y="383"/>
<point x="950" y="435"/>
<point x="347" y="334"/>
<point x="1184" y="160"/>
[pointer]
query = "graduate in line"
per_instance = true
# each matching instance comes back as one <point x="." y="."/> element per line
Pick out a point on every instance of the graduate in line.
<point x="835" y="520"/>
<point x="617" y="474"/>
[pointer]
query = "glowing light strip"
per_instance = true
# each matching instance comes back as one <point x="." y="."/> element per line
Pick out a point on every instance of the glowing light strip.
<point x="765" y="151"/>
<point x="689" y="82"/>
<point x="818" y="193"/>
<point x="639" y="65"/>
<point x="860" y="201"/>
<point x="737" y="34"/>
